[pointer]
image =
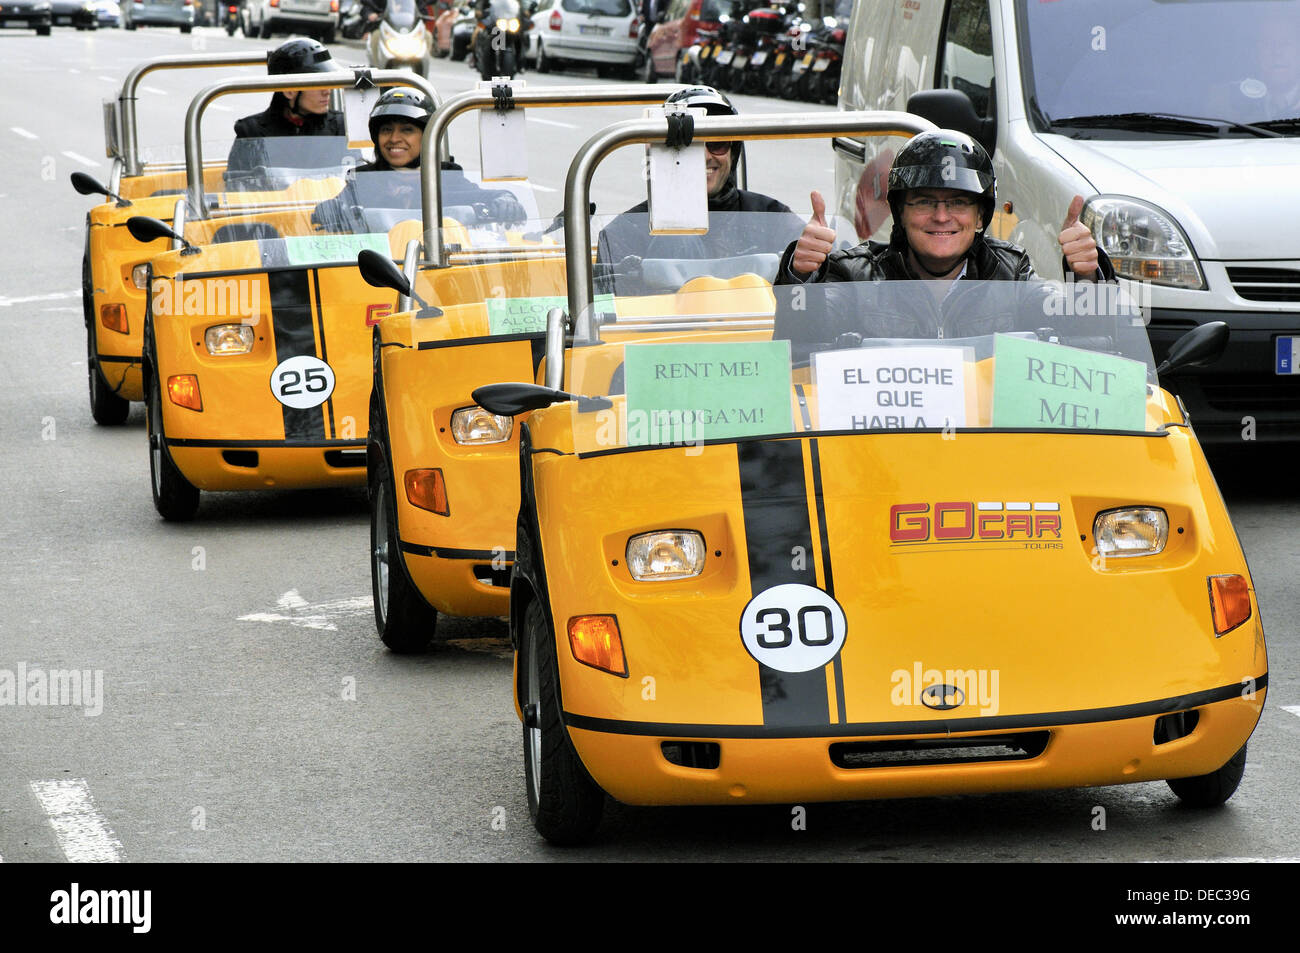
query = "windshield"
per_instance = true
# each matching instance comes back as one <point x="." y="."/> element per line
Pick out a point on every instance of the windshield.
<point x="400" y="14"/>
<point x="273" y="164"/>
<point x="504" y="9"/>
<point x="1234" y="60"/>
<point x="609" y="8"/>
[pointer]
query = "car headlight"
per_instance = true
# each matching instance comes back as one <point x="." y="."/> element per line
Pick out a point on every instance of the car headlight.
<point x="1131" y="531"/>
<point x="140" y="277"/>
<point x="474" y="425"/>
<point x="225" y="339"/>
<point x="514" y="25"/>
<point x="664" y="555"/>
<point x="1144" y="243"/>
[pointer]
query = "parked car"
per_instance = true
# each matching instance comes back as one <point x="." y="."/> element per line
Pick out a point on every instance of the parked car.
<point x="26" y="15"/>
<point x="318" y="18"/>
<point x="178" y="13"/>
<point x="676" y="33"/>
<point x="1188" y="174"/>
<point x="108" y="12"/>
<point x="601" y="33"/>
<point x="74" y="13"/>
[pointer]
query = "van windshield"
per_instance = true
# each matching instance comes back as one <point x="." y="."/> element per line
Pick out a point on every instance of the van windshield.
<point x="1107" y="68"/>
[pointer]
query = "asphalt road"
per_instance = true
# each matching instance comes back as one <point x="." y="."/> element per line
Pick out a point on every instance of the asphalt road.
<point x="249" y="713"/>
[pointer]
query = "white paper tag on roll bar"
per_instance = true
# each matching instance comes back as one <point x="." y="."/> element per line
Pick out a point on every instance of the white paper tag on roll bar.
<point x="502" y="140"/>
<point x="679" y="195"/>
<point x="357" y="104"/>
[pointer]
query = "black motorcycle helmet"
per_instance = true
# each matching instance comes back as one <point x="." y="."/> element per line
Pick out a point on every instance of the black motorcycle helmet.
<point x="300" y="55"/>
<point x="714" y="103"/>
<point x="945" y="159"/>
<point x="409" y="104"/>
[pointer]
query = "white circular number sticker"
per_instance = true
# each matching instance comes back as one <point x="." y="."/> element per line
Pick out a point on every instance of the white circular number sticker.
<point x="301" y="382"/>
<point x="793" y="627"/>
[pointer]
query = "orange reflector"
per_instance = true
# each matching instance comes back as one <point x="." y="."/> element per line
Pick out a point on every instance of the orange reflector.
<point x="595" y="641"/>
<point x="426" y="489"/>
<point x="183" y="389"/>
<point x="113" y="317"/>
<point x="1229" y="602"/>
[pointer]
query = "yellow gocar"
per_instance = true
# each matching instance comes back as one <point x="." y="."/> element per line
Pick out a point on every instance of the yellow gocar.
<point x="112" y="267"/>
<point x="882" y="544"/>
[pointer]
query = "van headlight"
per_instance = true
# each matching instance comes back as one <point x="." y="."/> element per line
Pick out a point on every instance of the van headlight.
<point x="474" y="425"/>
<point x="1131" y="531"/>
<point x="222" y="340"/>
<point x="1144" y="242"/>
<point x="668" y="554"/>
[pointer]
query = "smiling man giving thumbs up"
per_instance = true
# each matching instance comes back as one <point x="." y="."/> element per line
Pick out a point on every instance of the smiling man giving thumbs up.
<point x="941" y="192"/>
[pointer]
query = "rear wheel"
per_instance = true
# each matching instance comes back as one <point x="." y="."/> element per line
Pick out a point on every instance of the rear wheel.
<point x="327" y="35"/>
<point x="563" y="800"/>
<point x="403" y="619"/>
<point x="1211" y="790"/>
<point x="174" y="497"/>
<point x="106" y="407"/>
<point x="265" y="30"/>
<point x="187" y="28"/>
<point x="648" y="74"/>
<point x="544" y="63"/>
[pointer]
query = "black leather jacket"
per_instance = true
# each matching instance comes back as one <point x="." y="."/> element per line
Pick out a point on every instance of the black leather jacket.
<point x="272" y="122"/>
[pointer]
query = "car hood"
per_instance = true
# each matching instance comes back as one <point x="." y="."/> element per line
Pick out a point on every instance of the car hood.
<point x="1235" y="198"/>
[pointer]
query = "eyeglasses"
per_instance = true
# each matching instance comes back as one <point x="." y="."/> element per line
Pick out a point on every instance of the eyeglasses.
<point x="718" y="148"/>
<point x="929" y="206"/>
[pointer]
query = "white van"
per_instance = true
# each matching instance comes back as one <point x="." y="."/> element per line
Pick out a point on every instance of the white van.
<point x="1177" y="120"/>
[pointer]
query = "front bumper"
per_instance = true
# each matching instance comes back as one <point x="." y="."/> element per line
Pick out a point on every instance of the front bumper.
<point x="269" y="464"/>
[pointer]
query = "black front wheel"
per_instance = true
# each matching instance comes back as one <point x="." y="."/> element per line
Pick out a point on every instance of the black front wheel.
<point x="1211" y="790"/>
<point x="175" y="498"/>
<point x="405" y="622"/>
<point x="563" y="801"/>
<point x="106" y="406"/>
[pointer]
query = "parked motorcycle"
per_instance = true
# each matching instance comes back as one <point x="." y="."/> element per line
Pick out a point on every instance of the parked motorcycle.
<point x="398" y="39"/>
<point x="498" y="42"/>
<point x="230" y="19"/>
<point x="823" y="84"/>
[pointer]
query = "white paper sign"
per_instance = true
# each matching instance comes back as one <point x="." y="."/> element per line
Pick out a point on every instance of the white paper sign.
<point x="891" y="388"/>
<point x="357" y="104"/>
<point x="502" y="140"/>
<point x="679" y="197"/>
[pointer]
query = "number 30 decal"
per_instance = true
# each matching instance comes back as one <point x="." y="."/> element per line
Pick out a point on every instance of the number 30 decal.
<point x="793" y="627"/>
<point x="302" y="382"/>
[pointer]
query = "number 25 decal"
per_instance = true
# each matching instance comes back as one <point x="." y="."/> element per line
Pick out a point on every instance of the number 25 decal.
<point x="302" y="382"/>
<point x="793" y="627"/>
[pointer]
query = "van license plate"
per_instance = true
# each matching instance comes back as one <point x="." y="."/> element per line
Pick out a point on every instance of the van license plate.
<point x="1287" y="354"/>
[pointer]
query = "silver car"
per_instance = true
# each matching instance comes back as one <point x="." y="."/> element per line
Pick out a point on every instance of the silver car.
<point x="318" y="18"/>
<point x="602" y="33"/>
<point x="179" y="13"/>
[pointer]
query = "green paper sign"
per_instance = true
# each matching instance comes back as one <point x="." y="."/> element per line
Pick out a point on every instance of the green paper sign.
<point x="1037" y="384"/>
<point x="528" y="315"/>
<point x="313" y="249"/>
<point x="684" y="393"/>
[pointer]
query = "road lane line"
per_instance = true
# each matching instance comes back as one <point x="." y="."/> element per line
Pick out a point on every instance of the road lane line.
<point x="83" y="833"/>
<point x="23" y="132"/>
<point x="77" y="157"/>
<point x="541" y="188"/>
<point x="52" y="296"/>
<point x="219" y="108"/>
<point x="1293" y="709"/>
<point x="552" y="122"/>
<point x="155" y="90"/>
<point x="107" y="79"/>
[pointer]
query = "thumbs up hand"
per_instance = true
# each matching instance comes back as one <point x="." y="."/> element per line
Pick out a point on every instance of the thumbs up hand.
<point x="1077" y="244"/>
<point x="815" y="240"/>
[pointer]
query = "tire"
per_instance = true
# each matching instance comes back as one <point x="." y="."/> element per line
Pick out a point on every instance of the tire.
<point x="130" y="25"/>
<point x="174" y="497"/>
<point x="509" y="63"/>
<point x="648" y="74"/>
<point x="563" y="801"/>
<point x="264" y="31"/>
<point x="108" y="409"/>
<point x="187" y="28"/>
<point x="684" y="73"/>
<point x="404" y="621"/>
<point x="544" y="63"/>
<point x="243" y="25"/>
<point x="1211" y="790"/>
<point x="45" y="30"/>
<point x="230" y="29"/>
<point x="327" y="35"/>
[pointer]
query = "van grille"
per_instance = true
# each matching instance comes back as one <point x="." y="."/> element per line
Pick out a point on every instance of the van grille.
<point x="1266" y="284"/>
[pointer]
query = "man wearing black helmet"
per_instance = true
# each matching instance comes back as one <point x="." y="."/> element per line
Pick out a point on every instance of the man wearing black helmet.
<point x="397" y="123"/>
<point x="296" y="112"/>
<point x="625" y="240"/>
<point x="941" y="193"/>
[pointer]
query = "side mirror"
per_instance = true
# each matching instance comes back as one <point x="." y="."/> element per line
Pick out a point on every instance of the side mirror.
<point x="380" y="272"/>
<point x="952" y="109"/>
<point x="89" y="185"/>
<point x="145" y="229"/>
<point x="510" y="399"/>
<point x="1197" y="348"/>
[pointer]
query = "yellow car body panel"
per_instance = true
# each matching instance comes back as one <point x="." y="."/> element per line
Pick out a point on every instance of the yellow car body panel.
<point x="1043" y="638"/>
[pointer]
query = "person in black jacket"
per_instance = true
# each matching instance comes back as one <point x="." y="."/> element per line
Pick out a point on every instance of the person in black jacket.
<point x="397" y="123"/>
<point x="626" y="240"/>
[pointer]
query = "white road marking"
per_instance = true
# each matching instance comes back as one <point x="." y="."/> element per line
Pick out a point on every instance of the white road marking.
<point x="551" y="122"/>
<point x="541" y="188"/>
<point x="77" y="157"/>
<point x="83" y="833"/>
<point x="319" y="616"/>
<point x="1293" y="709"/>
<point x="107" y="79"/>
<point x="219" y="108"/>
<point x="52" y="296"/>
<point x="1240" y="860"/>
<point x="155" y="90"/>
<point x="23" y="132"/>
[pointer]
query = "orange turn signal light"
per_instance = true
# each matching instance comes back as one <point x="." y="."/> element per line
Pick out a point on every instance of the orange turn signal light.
<point x="595" y="641"/>
<point x="1229" y="602"/>
<point x="113" y="317"/>
<point x="183" y="389"/>
<point x="427" y="490"/>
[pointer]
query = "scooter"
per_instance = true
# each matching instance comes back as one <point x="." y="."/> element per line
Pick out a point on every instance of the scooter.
<point x="231" y="19"/>
<point x="399" y="39"/>
<point x="498" y="42"/>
